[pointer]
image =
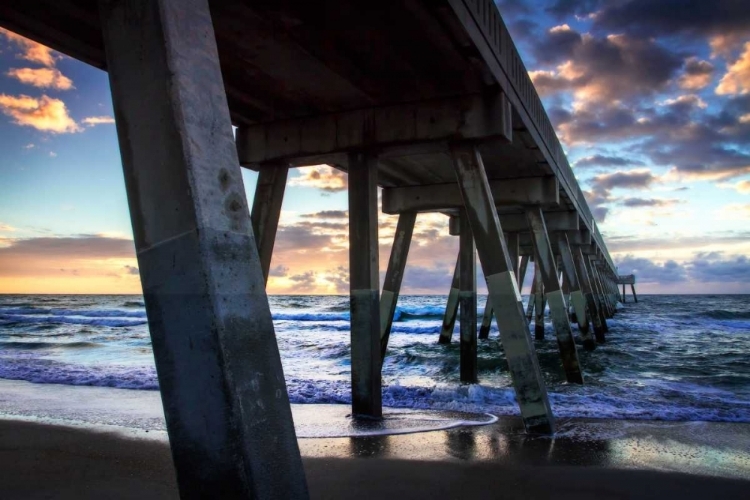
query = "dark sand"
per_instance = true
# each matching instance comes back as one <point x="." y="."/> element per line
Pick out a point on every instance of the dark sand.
<point x="49" y="461"/>
<point x="91" y="443"/>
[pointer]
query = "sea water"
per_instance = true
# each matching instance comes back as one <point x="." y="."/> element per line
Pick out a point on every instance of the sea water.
<point x="669" y="357"/>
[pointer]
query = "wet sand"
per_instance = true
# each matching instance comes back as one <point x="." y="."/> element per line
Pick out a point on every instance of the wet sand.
<point x="67" y="462"/>
<point x="86" y="443"/>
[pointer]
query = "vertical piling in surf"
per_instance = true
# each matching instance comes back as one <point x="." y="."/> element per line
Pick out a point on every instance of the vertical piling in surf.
<point x="364" y="282"/>
<point x="539" y="303"/>
<point x="528" y="382"/>
<point x="269" y="195"/>
<point x="220" y="375"/>
<point x="394" y="275"/>
<point x="467" y="300"/>
<point x="558" y="308"/>
<point x="588" y="293"/>
<point x="451" y="307"/>
<point x="635" y="297"/>
<point x="624" y="295"/>
<point x="512" y="240"/>
<point x="576" y="295"/>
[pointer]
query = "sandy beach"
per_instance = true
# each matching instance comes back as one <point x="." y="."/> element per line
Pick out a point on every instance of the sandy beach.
<point x="109" y="443"/>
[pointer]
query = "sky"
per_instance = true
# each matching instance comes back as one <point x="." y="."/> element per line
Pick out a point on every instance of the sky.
<point x="651" y="100"/>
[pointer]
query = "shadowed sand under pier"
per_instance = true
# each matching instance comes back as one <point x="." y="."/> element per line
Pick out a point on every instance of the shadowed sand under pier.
<point x="99" y="448"/>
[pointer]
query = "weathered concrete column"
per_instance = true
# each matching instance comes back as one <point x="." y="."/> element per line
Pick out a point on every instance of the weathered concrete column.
<point x="539" y="303"/>
<point x="587" y="288"/>
<point x="624" y="295"/>
<point x="635" y="297"/>
<point x="522" y="271"/>
<point x="512" y="240"/>
<point x="558" y="309"/>
<point x="606" y="295"/>
<point x="467" y="300"/>
<point x="451" y="308"/>
<point x="528" y="382"/>
<point x="220" y="376"/>
<point x="394" y="275"/>
<point x="576" y="295"/>
<point x="363" y="285"/>
<point x="484" y="328"/>
<point x="269" y="195"/>
<point x="598" y="294"/>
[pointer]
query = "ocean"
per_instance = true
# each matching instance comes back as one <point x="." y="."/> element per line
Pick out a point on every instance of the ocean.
<point x="668" y="357"/>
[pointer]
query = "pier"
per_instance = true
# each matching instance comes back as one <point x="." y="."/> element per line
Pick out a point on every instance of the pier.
<point x="428" y="100"/>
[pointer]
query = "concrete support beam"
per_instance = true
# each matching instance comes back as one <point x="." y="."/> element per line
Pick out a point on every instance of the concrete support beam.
<point x="528" y="382"/>
<point x="477" y="117"/>
<point x="545" y="261"/>
<point x="446" y="197"/>
<point x="220" y="376"/>
<point x="512" y="241"/>
<point x="467" y="300"/>
<point x="558" y="221"/>
<point x="597" y="292"/>
<point x="269" y="195"/>
<point x="394" y="275"/>
<point x="522" y="270"/>
<point x="363" y="285"/>
<point x="624" y="295"/>
<point x="635" y="297"/>
<point x="576" y="294"/>
<point x="587" y="288"/>
<point x="539" y="303"/>
<point x="451" y="307"/>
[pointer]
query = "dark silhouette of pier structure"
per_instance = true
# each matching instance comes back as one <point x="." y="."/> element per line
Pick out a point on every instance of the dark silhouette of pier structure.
<point x="427" y="99"/>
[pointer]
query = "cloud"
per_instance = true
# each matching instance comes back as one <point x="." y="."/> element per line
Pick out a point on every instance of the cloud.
<point x="598" y="160"/>
<point x="83" y="246"/>
<point x="132" y="270"/>
<point x="327" y="214"/>
<point x="648" y="271"/>
<point x="92" y="121"/>
<point x="595" y="69"/>
<point x="674" y="17"/>
<point x="647" y="202"/>
<point x="737" y="78"/>
<point x="32" y="51"/>
<point x="634" y="179"/>
<point x="6" y="227"/>
<point x="697" y="74"/>
<point x="712" y="269"/>
<point x="45" y="113"/>
<point x="742" y="187"/>
<point x="45" y="78"/>
<point x="322" y="177"/>
<point x="665" y="242"/>
<point x="278" y="271"/>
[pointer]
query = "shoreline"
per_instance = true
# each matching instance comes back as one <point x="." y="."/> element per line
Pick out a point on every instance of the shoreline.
<point x="92" y="442"/>
<point x="41" y="460"/>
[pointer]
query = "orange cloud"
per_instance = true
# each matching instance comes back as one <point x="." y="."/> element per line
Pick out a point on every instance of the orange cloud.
<point x="45" y="113"/>
<point x="84" y="264"/>
<point x="322" y="177"/>
<point x="737" y="78"/>
<point x="32" y="51"/>
<point x="698" y="74"/>
<point x="44" y="78"/>
<point x="92" y="121"/>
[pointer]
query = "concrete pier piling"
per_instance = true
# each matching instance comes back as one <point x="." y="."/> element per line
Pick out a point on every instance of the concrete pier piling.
<point x="264" y="216"/>
<point x="540" y="304"/>
<point x="451" y="307"/>
<point x="467" y="300"/>
<point x="576" y="294"/>
<point x="545" y="261"/>
<point x="587" y="288"/>
<point x="394" y="275"/>
<point x="222" y="385"/>
<point x="364" y="284"/>
<point x="528" y="382"/>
